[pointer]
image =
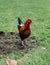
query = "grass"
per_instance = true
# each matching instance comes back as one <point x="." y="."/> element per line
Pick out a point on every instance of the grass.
<point x="36" y="57"/>
<point x="39" y="12"/>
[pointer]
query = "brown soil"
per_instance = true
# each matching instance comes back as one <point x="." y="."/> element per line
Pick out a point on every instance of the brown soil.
<point x="10" y="42"/>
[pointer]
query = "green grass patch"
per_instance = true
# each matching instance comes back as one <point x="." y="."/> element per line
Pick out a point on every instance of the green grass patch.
<point x="39" y="12"/>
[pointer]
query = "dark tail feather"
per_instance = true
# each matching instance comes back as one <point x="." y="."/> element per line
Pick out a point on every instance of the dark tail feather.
<point x="19" y="21"/>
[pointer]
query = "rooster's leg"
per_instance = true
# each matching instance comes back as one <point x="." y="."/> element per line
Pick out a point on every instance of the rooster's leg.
<point x="25" y="42"/>
<point x="22" y="43"/>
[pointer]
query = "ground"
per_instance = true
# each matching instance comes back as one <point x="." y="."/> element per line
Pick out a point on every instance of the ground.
<point x="11" y="42"/>
<point x="39" y="12"/>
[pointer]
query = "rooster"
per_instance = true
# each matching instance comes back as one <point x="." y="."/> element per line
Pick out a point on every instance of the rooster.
<point x="24" y="29"/>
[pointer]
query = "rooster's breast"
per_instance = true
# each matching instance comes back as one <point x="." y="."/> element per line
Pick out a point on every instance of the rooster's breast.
<point x="24" y="34"/>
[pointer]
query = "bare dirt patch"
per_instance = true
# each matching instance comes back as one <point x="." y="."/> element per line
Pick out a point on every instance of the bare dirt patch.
<point x="10" y="42"/>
